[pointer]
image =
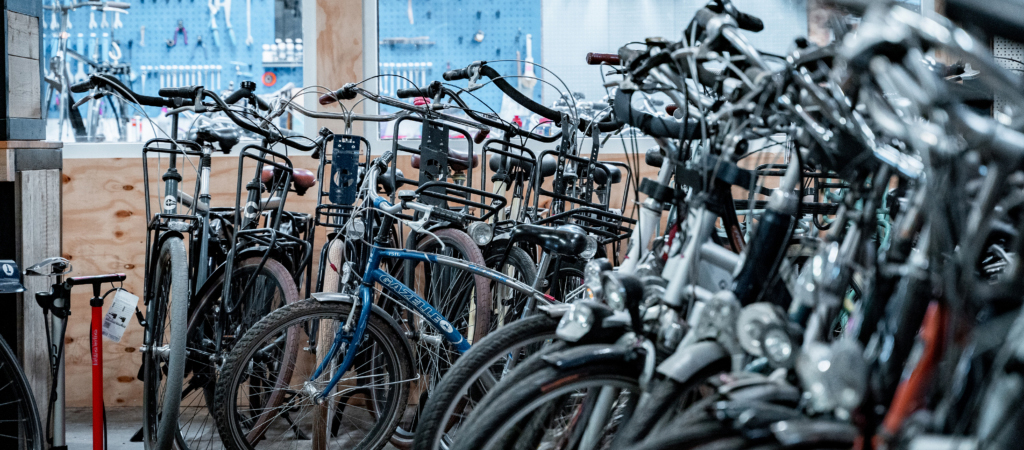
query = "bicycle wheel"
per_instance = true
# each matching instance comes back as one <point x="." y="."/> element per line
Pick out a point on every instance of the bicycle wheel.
<point x="212" y="332"/>
<point x="507" y="303"/>
<point x="580" y="407"/>
<point x="567" y="282"/>
<point x="163" y="363"/>
<point x="257" y="406"/>
<point x="474" y="374"/>
<point x="19" y="419"/>
<point x="462" y="298"/>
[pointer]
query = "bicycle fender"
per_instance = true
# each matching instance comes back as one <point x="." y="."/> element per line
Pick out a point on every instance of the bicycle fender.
<point x="593" y="354"/>
<point x="155" y="256"/>
<point x="707" y="357"/>
<point x="376" y="310"/>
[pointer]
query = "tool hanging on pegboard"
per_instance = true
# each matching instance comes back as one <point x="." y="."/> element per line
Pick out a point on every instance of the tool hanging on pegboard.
<point x="215" y="7"/>
<point x="199" y="44"/>
<point x="269" y="79"/>
<point x="179" y="30"/>
<point x="248" y="23"/>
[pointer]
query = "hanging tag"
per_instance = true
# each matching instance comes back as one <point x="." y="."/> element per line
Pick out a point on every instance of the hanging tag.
<point x="119" y="315"/>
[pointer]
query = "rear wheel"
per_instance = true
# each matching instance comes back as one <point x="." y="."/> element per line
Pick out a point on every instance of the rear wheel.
<point x="461" y="297"/>
<point x="163" y="363"/>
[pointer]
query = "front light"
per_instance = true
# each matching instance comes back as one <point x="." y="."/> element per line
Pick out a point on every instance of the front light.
<point x="355" y="229"/>
<point x="591" y="249"/>
<point x="614" y="292"/>
<point x="576" y="323"/>
<point x="592" y="273"/>
<point x="480" y="232"/>
<point x="753" y="320"/>
<point x="777" y="346"/>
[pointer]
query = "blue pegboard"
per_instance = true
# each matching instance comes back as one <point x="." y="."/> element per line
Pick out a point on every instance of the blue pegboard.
<point x="160" y="17"/>
<point x="451" y="25"/>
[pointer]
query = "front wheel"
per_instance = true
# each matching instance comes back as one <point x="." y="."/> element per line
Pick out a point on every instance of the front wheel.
<point x="260" y="404"/>
<point x="163" y="363"/>
<point x="475" y="374"/>
<point x="581" y="406"/>
<point x="19" y="419"/>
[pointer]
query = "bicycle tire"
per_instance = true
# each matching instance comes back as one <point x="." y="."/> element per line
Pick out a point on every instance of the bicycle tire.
<point x="447" y="399"/>
<point x="160" y="409"/>
<point x="465" y="303"/>
<point x="196" y="426"/>
<point x="19" y="413"/>
<point x="534" y="398"/>
<point x="508" y="304"/>
<point x="380" y="337"/>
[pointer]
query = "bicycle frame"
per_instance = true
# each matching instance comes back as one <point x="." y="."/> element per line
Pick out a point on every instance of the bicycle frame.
<point x="410" y="299"/>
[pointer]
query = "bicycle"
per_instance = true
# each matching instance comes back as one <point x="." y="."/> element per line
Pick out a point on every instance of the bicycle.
<point x="198" y="301"/>
<point x="371" y="341"/>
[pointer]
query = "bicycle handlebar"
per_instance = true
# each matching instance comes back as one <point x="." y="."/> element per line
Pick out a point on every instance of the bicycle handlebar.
<point x="126" y="92"/>
<point x="595" y="59"/>
<point x="483" y="69"/>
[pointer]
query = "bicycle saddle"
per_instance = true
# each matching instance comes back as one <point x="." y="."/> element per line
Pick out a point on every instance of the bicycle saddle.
<point x="302" y="179"/>
<point x="457" y="160"/>
<point x="502" y="162"/>
<point x="606" y="171"/>
<point x="564" y="240"/>
<point x="223" y="135"/>
<point x="548" y="164"/>
<point x="385" y="179"/>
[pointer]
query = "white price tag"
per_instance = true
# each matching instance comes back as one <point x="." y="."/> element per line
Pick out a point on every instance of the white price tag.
<point x="119" y="315"/>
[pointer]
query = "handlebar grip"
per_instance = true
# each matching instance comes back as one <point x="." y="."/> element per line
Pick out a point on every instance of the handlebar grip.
<point x="594" y="59"/>
<point x="749" y="22"/>
<point x="457" y="74"/>
<point x="96" y="279"/>
<point x="345" y="93"/>
<point x="414" y="92"/>
<point x="387" y="157"/>
<point x="84" y="86"/>
<point x="448" y="215"/>
<point x="480" y="136"/>
<point x="188" y="92"/>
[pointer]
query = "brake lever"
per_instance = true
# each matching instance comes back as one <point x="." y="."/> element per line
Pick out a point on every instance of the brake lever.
<point x="92" y="96"/>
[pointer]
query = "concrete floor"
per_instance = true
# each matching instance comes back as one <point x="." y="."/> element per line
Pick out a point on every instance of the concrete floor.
<point x="122" y="423"/>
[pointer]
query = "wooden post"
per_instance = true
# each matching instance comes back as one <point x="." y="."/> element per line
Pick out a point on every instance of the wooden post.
<point x="35" y="169"/>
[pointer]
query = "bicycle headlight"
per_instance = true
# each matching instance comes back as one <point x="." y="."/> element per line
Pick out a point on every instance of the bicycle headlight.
<point x="777" y="345"/>
<point x="592" y="274"/>
<point x="481" y="233"/>
<point x="614" y="292"/>
<point x="355" y="229"/>
<point x="591" y="249"/>
<point x="751" y="324"/>
<point x="576" y="323"/>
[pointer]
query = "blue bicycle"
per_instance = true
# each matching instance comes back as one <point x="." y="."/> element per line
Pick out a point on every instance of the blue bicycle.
<point x="350" y="384"/>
